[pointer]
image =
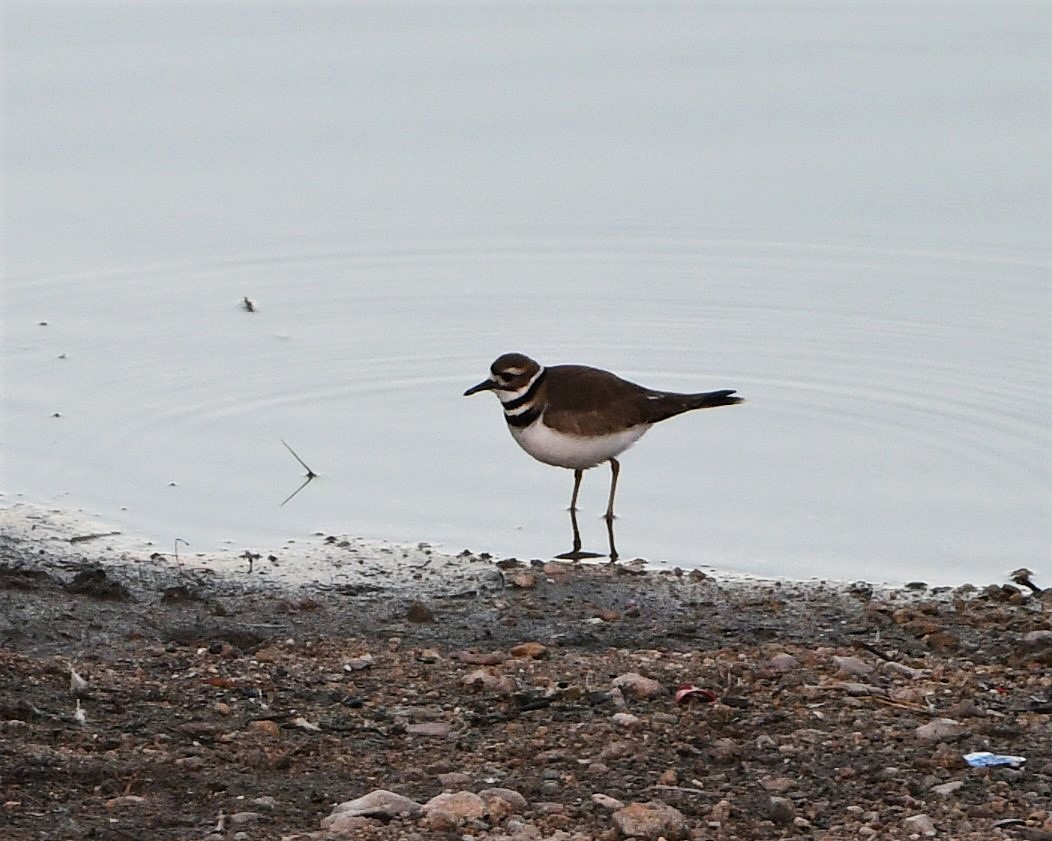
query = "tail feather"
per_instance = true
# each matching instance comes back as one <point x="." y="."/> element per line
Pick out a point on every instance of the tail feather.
<point x="711" y="399"/>
<point x="667" y="404"/>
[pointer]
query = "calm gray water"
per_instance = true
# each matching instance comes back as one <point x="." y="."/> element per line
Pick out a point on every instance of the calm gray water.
<point x="843" y="213"/>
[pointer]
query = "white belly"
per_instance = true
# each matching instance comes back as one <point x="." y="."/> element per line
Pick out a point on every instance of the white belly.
<point x="561" y="450"/>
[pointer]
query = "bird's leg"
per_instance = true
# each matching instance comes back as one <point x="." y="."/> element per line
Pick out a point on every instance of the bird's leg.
<point x="577" y="474"/>
<point x="576" y="554"/>
<point x="615" y="468"/>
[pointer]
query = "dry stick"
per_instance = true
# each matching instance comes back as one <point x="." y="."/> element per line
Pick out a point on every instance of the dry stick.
<point x="310" y="473"/>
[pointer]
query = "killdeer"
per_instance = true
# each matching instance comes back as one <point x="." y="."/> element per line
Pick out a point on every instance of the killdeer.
<point x="577" y="417"/>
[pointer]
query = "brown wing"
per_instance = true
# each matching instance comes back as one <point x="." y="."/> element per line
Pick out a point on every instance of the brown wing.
<point x="593" y="402"/>
<point x="596" y="402"/>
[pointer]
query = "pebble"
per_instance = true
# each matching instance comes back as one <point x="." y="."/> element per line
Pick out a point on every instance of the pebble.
<point x="651" y="821"/>
<point x="419" y="613"/>
<point x="125" y="800"/>
<point x="345" y="824"/>
<point x="515" y="801"/>
<point x="449" y="810"/>
<point x="359" y="664"/>
<point x="529" y="651"/>
<point x="439" y="729"/>
<point x="265" y="727"/>
<point x="781" y="810"/>
<point x="523" y="580"/>
<point x="379" y="803"/>
<point x="892" y="667"/>
<point x="488" y="679"/>
<point x="626" y="721"/>
<point x="1034" y="640"/>
<point x="921" y="824"/>
<point x="783" y="662"/>
<point x="242" y="818"/>
<point x="852" y="665"/>
<point x="725" y="750"/>
<point x="765" y="742"/>
<point x="939" y="729"/>
<point x="634" y="684"/>
<point x="607" y="802"/>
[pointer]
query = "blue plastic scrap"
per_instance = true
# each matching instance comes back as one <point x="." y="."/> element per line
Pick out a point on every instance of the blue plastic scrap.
<point x="983" y="758"/>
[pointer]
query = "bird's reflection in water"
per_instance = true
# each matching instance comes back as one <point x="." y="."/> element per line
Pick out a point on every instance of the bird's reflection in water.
<point x="576" y="553"/>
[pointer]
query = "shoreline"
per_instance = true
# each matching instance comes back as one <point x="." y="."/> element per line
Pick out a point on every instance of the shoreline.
<point x="335" y="558"/>
<point x="506" y="700"/>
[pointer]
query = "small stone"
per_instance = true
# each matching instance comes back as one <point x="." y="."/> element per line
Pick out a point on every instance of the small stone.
<point x="902" y="669"/>
<point x="125" y="800"/>
<point x="634" y="684"/>
<point x="350" y="826"/>
<point x="626" y="721"/>
<point x="529" y="651"/>
<point x="725" y="750"/>
<point x="781" y="810"/>
<point x="854" y="688"/>
<point x="1036" y="640"/>
<point x="947" y="789"/>
<point x="359" y="664"/>
<point x="779" y="785"/>
<point x="651" y="821"/>
<point x="419" y="612"/>
<point x="940" y="729"/>
<point x="921" y="824"/>
<point x="488" y="679"/>
<point x="852" y="665"/>
<point x="523" y="580"/>
<point x="438" y="729"/>
<point x="265" y="727"/>
<point x="668" y="777"/>
<point x="452" y="809"/>
<point x="242" y="818"/>
<point x="783" y="662"/>
<point x="486" y="658"/>
<point x="607" y="802"/>
<point x="379" y="803"/>
<point x="455" y="779"/>
<point x="517" y="802"/>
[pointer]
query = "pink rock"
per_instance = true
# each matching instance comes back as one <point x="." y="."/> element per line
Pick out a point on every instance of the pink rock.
<point x="451" y="809"/>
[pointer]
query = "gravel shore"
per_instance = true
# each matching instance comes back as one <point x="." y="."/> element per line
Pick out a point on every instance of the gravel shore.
<point x="405" y="694"/>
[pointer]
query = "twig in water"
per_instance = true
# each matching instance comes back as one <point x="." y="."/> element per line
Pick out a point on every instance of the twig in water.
<point x="311" y="475"/>
<point x="251" y="557"/>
